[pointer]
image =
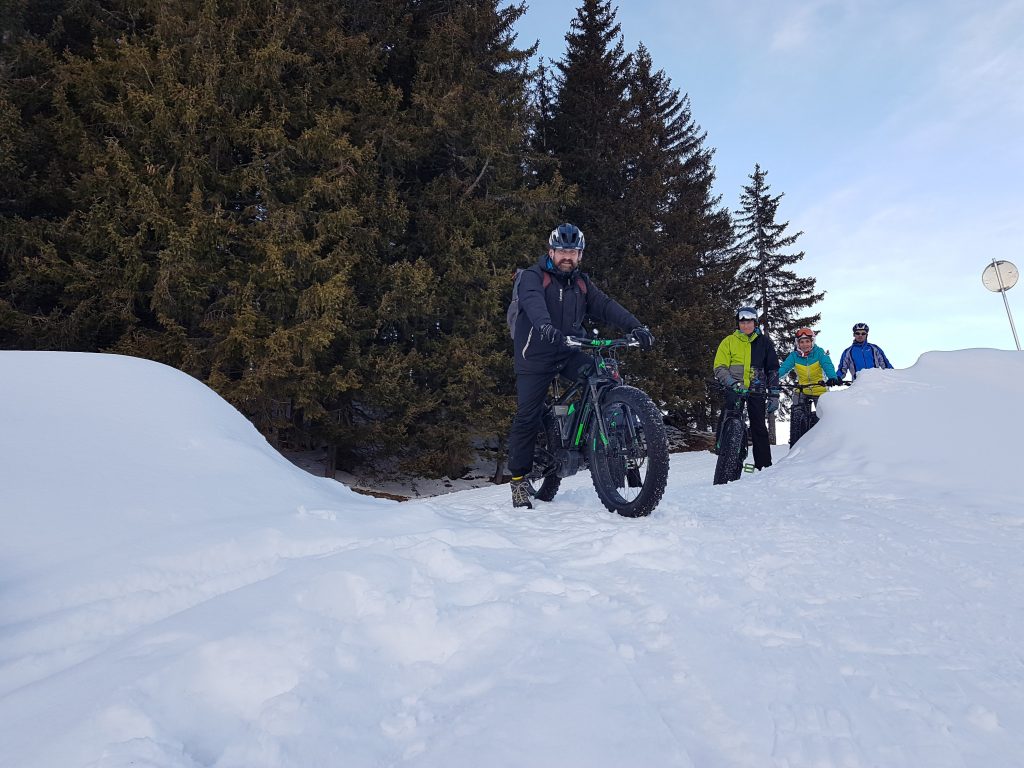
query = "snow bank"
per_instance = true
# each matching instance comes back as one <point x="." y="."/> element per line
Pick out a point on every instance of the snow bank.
<point x="100" y="448"/>
<point x="174" y="594"/>
<point x="951" y="424"/>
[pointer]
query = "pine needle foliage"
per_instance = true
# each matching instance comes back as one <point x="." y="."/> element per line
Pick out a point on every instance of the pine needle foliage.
<point x="315" y="207"/>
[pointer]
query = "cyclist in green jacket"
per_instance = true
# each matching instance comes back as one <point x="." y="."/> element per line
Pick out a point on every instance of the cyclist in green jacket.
<point x="747" y="358"/>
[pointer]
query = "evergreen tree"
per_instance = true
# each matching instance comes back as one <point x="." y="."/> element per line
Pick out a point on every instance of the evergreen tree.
<point x="766" y="278"/>
<point x="679" y="266"/>
<point x="658" y="238"/>
<point x="207" y="206"/>
<point x="315" y="207"/>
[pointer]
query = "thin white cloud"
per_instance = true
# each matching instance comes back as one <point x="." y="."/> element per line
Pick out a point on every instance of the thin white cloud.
<point x="975" y="83"/>
<point x="987" y="70"/>
<point x="802" y="24"/>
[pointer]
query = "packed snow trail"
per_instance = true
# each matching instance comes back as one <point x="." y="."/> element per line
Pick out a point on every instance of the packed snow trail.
<point x="178" y="595"/>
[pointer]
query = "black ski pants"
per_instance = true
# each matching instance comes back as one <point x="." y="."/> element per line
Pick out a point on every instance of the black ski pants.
<point x="758" y="427"/>
<point x="531" y="389"/>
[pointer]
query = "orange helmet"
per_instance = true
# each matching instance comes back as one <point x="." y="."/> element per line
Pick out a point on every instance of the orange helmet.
<point x="802" y="332"/>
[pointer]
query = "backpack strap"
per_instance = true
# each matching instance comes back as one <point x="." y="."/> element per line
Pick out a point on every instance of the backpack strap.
<point x="545" y="277"/>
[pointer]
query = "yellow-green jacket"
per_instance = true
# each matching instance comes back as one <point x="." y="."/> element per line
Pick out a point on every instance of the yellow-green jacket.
<point x="746" y="359"/>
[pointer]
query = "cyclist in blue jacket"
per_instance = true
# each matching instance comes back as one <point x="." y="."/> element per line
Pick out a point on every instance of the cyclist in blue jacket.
<point x="861" y="354"/>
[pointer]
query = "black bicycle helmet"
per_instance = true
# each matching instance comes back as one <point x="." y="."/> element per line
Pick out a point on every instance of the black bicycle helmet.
<point x="566" y="236"/>
<point x="861" y="327"/>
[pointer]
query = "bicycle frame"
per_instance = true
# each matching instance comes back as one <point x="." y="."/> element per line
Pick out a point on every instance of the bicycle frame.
<point x="575" y="410"/>
<point x="806" y="408"/>
<point x="805" y="402"/>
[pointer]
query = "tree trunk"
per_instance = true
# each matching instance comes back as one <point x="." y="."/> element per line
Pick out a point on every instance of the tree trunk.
<point x="499" y="463"/>
<point x="771" y="429"/>
<point x="330" y="460"/>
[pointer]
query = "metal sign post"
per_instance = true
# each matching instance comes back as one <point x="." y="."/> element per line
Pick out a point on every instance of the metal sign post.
<point x="999" y="277"/>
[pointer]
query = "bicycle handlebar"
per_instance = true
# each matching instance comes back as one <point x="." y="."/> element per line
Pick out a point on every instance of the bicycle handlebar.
<point x="755" y="389"/>
<point x="579" y="341"/>
<point x="802" y="387"/>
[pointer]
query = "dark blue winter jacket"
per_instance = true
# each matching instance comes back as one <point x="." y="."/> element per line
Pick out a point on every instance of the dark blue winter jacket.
<point x="564" y="304"/>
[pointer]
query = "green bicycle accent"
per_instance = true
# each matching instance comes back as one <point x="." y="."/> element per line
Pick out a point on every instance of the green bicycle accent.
<point x="583" y="423"/>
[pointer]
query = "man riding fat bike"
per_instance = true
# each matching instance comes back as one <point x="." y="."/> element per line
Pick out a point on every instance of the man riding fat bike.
<point x="554" y="299"/>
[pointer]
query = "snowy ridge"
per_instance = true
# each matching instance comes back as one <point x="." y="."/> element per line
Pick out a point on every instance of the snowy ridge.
<point x="950" y="422"/>
<point x="175" y="594"/>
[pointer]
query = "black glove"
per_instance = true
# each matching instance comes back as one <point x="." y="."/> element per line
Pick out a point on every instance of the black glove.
<point x="772" y="405"/>
<point x="643" y="335"/>
<point x="834" y="382"/>
<point x="737" y="387"/>
<point x="552" y="335"/>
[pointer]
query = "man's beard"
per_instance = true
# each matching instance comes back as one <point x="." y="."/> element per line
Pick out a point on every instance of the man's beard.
<point x="563" y="263"/>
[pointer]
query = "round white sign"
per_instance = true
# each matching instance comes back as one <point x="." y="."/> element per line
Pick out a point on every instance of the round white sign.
<point x="1003" y="271"/>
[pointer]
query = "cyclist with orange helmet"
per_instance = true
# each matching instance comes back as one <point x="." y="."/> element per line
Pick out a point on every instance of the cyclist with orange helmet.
<point x="810" y="363"/>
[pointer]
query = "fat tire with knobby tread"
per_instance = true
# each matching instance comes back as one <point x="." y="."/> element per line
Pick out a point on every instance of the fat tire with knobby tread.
<point x="729" y="466"/>
<point x="548" y="440"/>
<point x="603" y="474"/>
<point x="799" y="425"/>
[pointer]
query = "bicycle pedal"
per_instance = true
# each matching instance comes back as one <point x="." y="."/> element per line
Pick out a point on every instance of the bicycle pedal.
<point x="748" y="467"/>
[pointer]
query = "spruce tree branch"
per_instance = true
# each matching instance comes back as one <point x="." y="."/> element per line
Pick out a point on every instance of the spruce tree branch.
<point x="476" y="181"/>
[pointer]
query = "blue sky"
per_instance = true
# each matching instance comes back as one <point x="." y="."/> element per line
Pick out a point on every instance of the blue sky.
<point x="895" y="130"/>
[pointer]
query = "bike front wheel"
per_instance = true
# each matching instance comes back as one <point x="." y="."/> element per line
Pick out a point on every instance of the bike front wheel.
<point x="629" y="465"/>
<point x="801" y="422"/>
<point x="731" y="443"/>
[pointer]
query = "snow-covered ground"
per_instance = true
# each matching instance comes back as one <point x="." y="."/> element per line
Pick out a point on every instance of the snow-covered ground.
<point x="175" y="594"/>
